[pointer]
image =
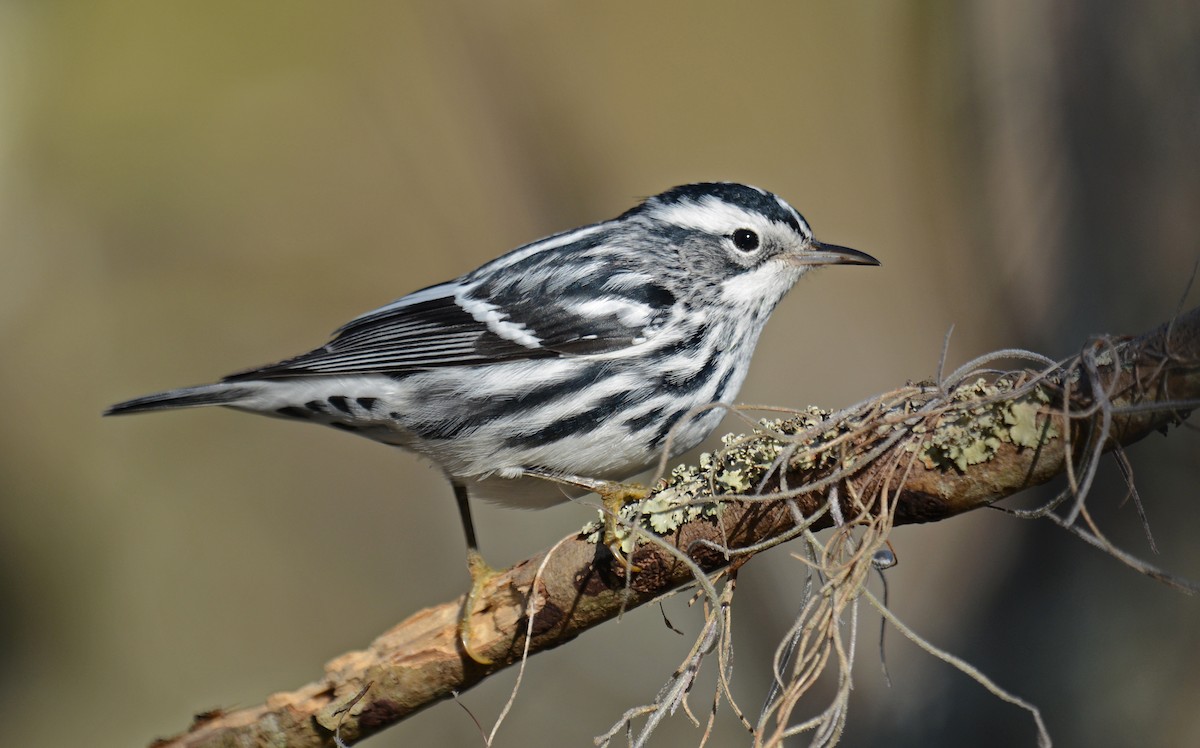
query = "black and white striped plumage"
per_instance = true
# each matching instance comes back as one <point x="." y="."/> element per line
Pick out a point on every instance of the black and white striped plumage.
<point x="573" y="355"/>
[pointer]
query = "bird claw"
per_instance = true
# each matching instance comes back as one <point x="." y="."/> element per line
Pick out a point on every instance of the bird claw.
<point x="615" y="497"/>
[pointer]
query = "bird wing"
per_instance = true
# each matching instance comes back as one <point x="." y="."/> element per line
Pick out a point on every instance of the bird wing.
<point x="512" y="309"/>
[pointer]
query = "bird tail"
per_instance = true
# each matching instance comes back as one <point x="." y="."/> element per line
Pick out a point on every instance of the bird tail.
<point x="222" y="393"/>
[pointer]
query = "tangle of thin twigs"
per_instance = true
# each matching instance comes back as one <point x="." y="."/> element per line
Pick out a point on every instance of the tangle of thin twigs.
<point x="889" y="433"/>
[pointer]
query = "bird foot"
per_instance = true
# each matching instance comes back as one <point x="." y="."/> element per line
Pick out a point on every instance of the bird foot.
<point x="615" y="497"/>
<point x="614" y="494"/>
<point x="481" y="574"/>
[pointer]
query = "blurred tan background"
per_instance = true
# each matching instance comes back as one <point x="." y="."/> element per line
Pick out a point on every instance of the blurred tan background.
<point x="190" y="189"/>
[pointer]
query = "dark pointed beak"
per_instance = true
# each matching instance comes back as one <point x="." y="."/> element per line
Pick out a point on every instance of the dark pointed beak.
<point x="832" y="254"/>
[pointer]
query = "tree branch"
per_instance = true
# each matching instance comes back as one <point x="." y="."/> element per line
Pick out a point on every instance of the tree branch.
<point x="925" y="452"/>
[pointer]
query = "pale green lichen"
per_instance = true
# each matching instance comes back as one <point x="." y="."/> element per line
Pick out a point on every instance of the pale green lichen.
<point x="972" y="433"/>
<point x="687" y="493"/>
<point x="676" y="502"/>
<point x="691" y="491"/>
<point x="982" y="418"/>
<point x="1023" y="426"/>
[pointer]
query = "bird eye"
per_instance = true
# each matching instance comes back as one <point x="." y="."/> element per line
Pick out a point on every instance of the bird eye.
<point x="745" y="240"/>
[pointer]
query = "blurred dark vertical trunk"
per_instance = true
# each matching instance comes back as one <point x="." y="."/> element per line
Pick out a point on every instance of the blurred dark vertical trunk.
<point x="1079" y="142"/>
<point x="1084" y="125"/>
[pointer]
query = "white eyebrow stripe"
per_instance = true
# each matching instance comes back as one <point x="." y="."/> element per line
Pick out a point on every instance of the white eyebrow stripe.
<point x="709" y="214"/>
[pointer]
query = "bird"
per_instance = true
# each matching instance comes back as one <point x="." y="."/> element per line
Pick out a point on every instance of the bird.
<point x="571" y="362"/>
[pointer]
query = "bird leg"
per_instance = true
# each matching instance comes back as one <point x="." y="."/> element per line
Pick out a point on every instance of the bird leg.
<point x="480" y="571"/>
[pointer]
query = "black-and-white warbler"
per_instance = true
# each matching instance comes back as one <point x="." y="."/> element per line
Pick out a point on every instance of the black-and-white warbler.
<point x="571" y="357"/>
